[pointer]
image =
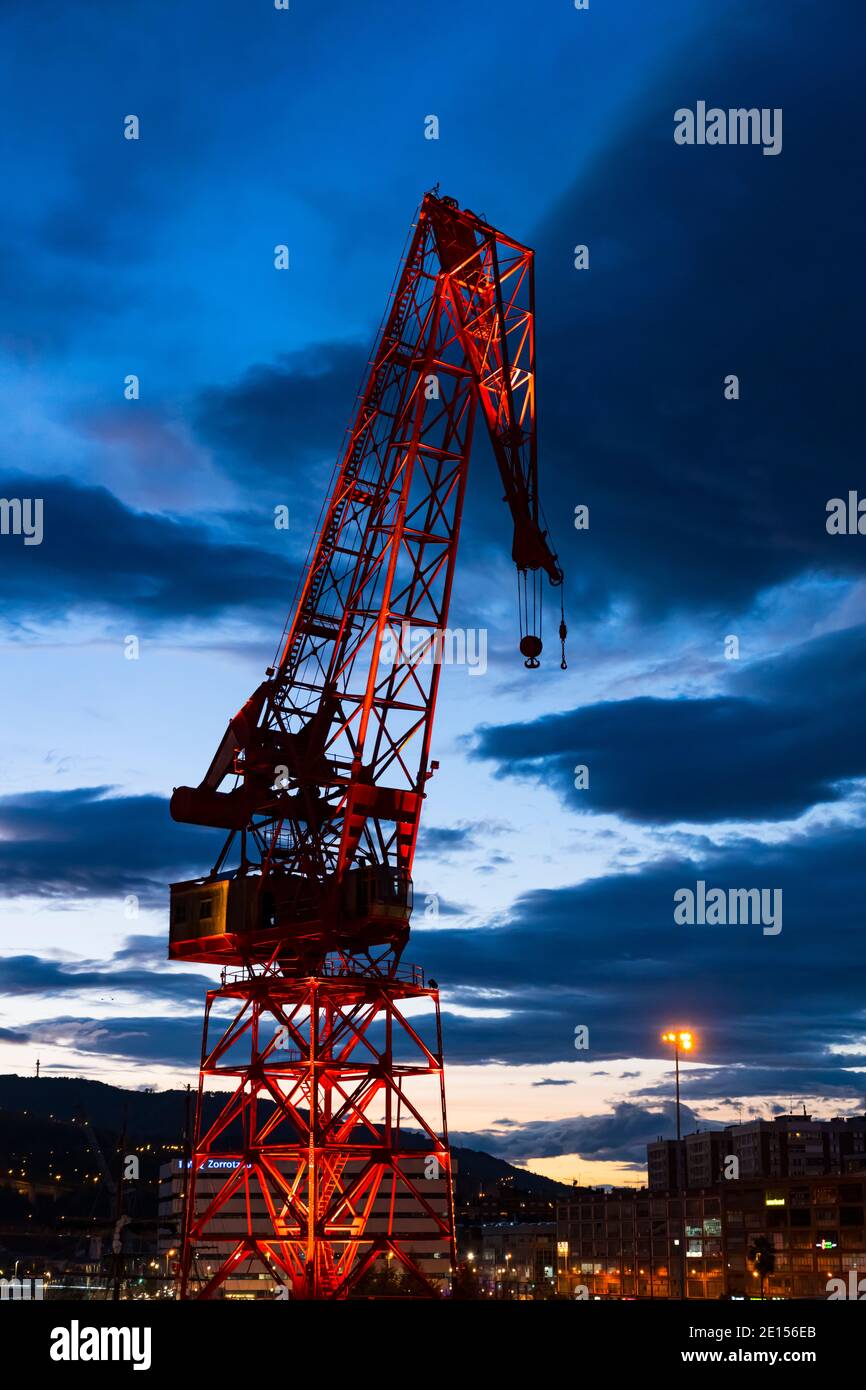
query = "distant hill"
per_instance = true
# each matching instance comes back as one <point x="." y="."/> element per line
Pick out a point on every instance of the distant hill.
<point x="479" y="1167"/>
<point x="152" y="1116"/>
<point x="149" y="1115"/>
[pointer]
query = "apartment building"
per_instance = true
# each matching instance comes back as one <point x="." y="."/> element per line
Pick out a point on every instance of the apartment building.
<point x="795" y="1146"/>
<point x="696" y="1244"/>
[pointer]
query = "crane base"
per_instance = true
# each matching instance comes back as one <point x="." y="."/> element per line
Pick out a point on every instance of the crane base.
<point x="326" y="1165"/>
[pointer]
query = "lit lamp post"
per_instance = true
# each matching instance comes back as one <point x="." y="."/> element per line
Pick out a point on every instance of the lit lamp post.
<point x="684" y="1041"/>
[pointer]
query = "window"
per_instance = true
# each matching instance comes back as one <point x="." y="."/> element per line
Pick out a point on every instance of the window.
<point x="204" y="910"/>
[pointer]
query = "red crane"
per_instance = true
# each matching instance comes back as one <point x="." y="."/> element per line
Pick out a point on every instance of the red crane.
<point x="323" y="1145"/>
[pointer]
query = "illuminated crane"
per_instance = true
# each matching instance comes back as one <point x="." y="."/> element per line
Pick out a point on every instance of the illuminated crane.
<point x="308" y="904"/>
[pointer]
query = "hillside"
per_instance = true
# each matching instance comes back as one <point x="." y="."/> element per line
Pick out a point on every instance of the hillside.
<point x="157" y="1117"/>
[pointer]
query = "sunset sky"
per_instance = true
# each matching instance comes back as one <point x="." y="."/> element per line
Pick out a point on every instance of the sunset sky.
<point x="707" y="520"/>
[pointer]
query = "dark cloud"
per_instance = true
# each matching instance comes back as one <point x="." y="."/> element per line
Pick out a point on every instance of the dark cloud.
<point x="281" y="415"/>
<point x="704" y="262"/>
<point x="790" y="734"/>
<point x="144" y="1040"/>
<point x="21" y="975"/>
<point x="607" y="954"/>
<point x="15" y="1035"/>
<point x="621" y="1136"/>
<point x="799" y="1081"/>
<point x="98" y="554"/>
<point x="441" y="840"/>
<point x="87" y="843"/>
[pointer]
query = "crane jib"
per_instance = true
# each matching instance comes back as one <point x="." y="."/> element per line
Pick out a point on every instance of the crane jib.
<point x="319" y="779"/>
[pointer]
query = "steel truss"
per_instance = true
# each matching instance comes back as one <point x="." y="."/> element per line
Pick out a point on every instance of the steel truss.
<point x="324" y="1152"/>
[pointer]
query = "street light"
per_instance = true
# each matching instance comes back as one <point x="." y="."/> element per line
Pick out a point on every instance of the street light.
<point x="685" y="1041"/>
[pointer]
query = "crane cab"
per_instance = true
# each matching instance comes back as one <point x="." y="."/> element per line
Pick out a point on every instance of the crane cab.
<point x="221" y="920"/>
<point x="208" y="915"/>
<point x="374" y="895"/>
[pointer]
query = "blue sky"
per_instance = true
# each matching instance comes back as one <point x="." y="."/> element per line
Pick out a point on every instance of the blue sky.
<point x="155" y="257"/>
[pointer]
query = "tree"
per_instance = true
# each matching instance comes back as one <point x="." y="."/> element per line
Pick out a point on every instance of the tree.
<point x="762" y="1257"/>
<point x="465" y="1282"/>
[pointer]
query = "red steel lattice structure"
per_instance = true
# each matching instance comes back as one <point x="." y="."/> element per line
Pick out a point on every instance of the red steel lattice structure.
<point x="309" y="902"/>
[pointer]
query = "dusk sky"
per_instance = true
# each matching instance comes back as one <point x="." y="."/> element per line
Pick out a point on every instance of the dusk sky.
<point x="540" y="907"/>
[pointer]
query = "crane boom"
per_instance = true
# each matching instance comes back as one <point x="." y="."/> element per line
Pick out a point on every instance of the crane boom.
<point x="330" y="756"/>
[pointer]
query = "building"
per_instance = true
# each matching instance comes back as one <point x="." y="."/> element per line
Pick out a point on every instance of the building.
<point x="500" y="1199"/>
<point x="619" y="1244"/>
<point x="644" y="1244"/>
<point x="512" y="1259"/>
<point x="250" y="1282"/>
<point x="666" y="1165"/>
<point x="795" y="1146"/>
<point x="703" y="1159"/>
